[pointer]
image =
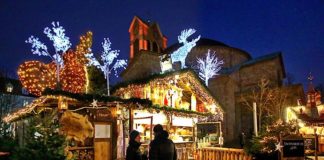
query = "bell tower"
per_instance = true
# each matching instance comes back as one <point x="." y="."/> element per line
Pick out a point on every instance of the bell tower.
<point x="145" y="36"/>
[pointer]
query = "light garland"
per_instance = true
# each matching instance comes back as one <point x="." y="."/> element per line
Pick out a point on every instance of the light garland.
<point x="24" y="111"/>
<point x="32" y="107"/>
<point x="139" y="90"/>
<point x="36" y="76"/>
<point x="181" y="53"/>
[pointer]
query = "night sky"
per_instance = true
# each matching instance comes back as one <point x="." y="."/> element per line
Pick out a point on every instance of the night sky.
<point x="295" y="27"/>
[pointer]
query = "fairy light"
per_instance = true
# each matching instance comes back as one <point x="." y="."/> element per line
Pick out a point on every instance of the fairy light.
<point x="31" y="108"/>
<point x="159" y="85"/>
<point x="36" y="76"/>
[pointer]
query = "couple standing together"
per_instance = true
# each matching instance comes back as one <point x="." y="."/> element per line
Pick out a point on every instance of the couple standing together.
<point x="161" y="148"/>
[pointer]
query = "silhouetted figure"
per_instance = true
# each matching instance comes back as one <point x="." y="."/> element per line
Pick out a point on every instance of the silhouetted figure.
<point x="162" y="148"/>
<point x="133" y="152"/>
<point x="242" y="139"/>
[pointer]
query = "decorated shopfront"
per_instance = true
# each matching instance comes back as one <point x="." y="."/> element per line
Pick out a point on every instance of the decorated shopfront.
<point x="179" y="102"/>
<point x="96" y="124"/>
<point x="89" y="122"/>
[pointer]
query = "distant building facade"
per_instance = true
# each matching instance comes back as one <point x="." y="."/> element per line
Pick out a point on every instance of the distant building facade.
<point x="13" y="97"/>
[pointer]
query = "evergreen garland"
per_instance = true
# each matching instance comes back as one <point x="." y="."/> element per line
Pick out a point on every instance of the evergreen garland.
<point x="145" y="102"/>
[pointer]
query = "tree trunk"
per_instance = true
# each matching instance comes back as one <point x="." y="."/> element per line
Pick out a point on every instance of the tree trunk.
<point x="108" y="91"/>
<point x="58" y="76"/>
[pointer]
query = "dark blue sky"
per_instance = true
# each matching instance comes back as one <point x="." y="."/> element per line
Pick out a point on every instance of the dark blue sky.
<point x="259" y="27"/>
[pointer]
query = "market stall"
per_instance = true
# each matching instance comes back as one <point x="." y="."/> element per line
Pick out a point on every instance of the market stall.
<point x="179" y="102"/>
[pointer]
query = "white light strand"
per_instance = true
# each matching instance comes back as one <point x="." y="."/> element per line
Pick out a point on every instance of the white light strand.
<point x="107" y="58"/>
<point x="209" y="67"/>
<point x="61" y="44"/>
<point x="181" y="53"/>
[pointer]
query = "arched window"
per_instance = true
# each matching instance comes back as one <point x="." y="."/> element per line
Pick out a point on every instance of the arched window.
<point x="149" y="47"/>
<point x="136" y="47"/>
<point x="9" y="87"/>
<point x="155" y="47"/>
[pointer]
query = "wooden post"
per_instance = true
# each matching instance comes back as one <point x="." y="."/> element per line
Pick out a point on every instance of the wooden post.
<point x="255" y="120"/>
<point x="131" y="119"/>
<point x="315" y="129"/>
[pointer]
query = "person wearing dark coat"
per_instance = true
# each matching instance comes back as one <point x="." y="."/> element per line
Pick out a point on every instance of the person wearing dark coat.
<point x="162" y="148"/>
<point x="133" y="152"/>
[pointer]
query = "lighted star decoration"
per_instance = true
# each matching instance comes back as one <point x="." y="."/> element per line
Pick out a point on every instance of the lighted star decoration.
<point x="278" y="147"/>
<point x="94" y="103"/>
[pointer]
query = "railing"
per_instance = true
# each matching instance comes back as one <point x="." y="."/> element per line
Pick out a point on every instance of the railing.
<point x="82" y="153"/>
<point x="217" y="153"/>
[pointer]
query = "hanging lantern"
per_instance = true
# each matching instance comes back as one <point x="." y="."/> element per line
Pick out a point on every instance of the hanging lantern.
<point x="62" y="103"/>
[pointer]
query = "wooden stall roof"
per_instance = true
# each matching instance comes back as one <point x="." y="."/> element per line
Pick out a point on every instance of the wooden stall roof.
<point x="186" y="76"/>
<point x="50" y="100"/>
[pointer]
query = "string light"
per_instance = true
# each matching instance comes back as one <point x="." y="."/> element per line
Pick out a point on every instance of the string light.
<point x="159" y="85"/>
<point x="36" y="76"/>
<point x="34" y="106"/>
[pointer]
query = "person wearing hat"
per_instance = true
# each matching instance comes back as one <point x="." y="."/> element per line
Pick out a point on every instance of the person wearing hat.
<point x="133" y="152"/>
<point x="162" y="148"/>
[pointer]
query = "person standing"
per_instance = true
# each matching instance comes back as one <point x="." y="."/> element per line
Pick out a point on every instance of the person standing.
<point x="133" y="152"/>
<point x="162" y="148"/>
<point x="242" y="139"/>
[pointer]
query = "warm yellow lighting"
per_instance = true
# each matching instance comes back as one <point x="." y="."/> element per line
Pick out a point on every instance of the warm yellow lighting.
<point x="158" y="118"/>
<point x="181" y="121"/>
<point x="87" y="80"/>
<point x="301" y="124"/>
<point x="62" y="103"/>
<point x="140" y="129"/>
<point x="35" y="76"/>
<point x="193" y="102"/>
<point x="213" y="108"/>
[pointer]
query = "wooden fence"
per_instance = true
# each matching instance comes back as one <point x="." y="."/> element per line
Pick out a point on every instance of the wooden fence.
<point x="217" y="153"/>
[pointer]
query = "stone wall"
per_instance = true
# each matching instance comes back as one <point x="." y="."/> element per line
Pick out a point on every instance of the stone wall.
<point x="223" y="88"/>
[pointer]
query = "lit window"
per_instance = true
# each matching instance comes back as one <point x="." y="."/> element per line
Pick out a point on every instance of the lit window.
<point x="9" y="87"/>
<point x="25" y="103"/>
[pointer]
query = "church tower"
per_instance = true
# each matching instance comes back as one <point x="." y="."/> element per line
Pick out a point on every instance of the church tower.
<point x="145" y="36"/>
<point x="311" y="98"/>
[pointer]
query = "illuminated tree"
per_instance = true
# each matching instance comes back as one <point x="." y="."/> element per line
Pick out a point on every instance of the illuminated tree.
<point x="108" y="62"/>
<point x="262" y="96"/>
<point x="270" y="101"/>
<point x="61" y="44"/>
<point x="209" y="67"/>
<point x="35" y="76"/>
<point x="181" y="53"/>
